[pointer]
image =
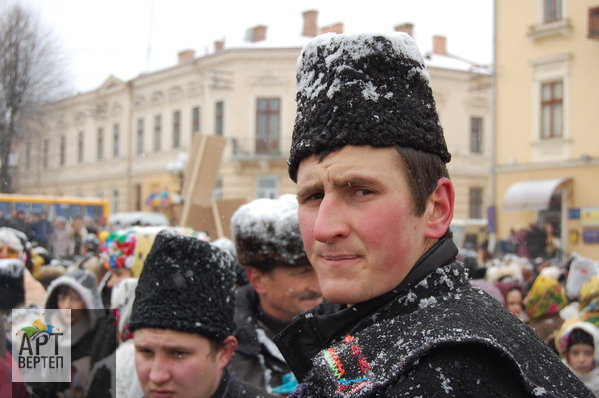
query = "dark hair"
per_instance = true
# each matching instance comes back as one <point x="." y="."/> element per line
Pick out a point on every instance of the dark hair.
<point x="215" y="346"/>
<point x="579" y="336"/>
<point x="423" y="171"/>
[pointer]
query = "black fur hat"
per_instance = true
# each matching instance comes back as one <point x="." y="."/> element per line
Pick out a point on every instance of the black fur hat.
<point x="363" y="90"/>
<point x="12" y="290"/>
<point x="186" y="285"/>
<point x="266" y="234"/>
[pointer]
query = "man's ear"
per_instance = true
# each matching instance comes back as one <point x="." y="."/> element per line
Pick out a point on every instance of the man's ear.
<point x="441" y="202"/>
<point x="224" y="355"/>
<point x="255" y="278"/>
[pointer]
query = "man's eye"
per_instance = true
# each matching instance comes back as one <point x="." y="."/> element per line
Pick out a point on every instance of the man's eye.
<point x="363" y="192"/>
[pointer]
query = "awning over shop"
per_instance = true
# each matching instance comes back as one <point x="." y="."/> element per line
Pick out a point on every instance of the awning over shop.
<point x="531" y="194"/>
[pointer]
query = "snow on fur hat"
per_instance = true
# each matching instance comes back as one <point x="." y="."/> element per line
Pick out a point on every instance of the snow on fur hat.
<point x="186" y="285"/>
<point x="363" y="90"/>
<point x="9" y="237"/>
<point x="11" y="283"/>
<point x="266" y="234"/>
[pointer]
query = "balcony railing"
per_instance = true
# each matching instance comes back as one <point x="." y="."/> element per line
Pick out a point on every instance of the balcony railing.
<point x="544" y="29"/>
<point x="248" y="148"/>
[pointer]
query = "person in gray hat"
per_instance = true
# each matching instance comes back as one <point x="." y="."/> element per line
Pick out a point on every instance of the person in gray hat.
<point x="375" y="204"/>
<point x="182" y="321"/>
<point x="282" y="284"/>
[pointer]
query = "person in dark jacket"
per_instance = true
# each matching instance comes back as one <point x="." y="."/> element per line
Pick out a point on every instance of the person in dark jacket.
<point x="282" y="284"/>
<point x="182" y="321"/>
<point x="375" y="204"/>
<point x="41" y="230"/>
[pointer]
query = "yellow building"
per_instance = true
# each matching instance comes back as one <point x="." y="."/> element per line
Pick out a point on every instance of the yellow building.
<point x="120" y="141"/>
<point x="547" y="135"/>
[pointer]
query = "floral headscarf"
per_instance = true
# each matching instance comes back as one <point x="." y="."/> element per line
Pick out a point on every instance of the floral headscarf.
<point x="546" y="297"/>
<point x="118" y="248"/>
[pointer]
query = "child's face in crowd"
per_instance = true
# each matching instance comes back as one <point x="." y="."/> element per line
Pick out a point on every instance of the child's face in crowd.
<point x="70" y="300"/>
<point x="514" y="302"/>
<point x="580" y="357"/>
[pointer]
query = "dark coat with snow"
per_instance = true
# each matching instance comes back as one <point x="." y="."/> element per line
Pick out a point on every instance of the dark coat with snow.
<point x="436" y="336"/>
<point x="229" y="387"/>
<point x="257" y="359"/>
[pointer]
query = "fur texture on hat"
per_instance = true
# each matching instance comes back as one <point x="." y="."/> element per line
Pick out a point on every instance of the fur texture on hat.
<point x="186" y="285"/>
<point x="12" y="289"/>
<point x="363" y="90"/>
<point x="266" y="234"/>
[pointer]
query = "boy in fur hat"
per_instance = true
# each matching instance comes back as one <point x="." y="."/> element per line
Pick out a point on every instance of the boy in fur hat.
<point x="375" y="204"/>
<point x="182" y="321"/>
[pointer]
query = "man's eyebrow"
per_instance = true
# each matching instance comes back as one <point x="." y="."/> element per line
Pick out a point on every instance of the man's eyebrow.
<point x="355" y="180"/>
<point x="309" y="190"/>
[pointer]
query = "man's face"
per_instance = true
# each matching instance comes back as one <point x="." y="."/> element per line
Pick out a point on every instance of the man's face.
<point x="173" y="364"/>
<point x="288" y="291"/>
<point x="357" y="222"/>
<point x="117" y="275"/>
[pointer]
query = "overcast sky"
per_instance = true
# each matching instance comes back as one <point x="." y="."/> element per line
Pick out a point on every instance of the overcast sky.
<point x="111" y="36"/>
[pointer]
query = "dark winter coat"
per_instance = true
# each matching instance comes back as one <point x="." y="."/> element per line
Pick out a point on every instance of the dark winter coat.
<point x="438" y="337"/>
<point x="257" y="359"/>
<point x="229" y="387"/>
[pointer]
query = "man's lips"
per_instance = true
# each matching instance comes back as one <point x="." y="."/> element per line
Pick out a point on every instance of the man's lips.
<point x="338" y="257"/>
<point x="161" y="392"/>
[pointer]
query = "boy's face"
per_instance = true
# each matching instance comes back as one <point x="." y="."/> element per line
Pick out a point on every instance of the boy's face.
<point x="357" y="222"/>
<point x="71" y="305"/>
<point x="174" y="364"/>
<point x="580" y="357"/>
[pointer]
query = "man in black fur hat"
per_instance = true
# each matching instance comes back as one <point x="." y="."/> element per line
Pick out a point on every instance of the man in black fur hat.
<point x="182" y="321"/>
<point x="282" y="284"/>
<point x="375" y="204"/>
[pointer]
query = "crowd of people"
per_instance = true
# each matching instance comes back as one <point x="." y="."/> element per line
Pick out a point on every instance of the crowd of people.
<point x="351" y="288"/>
<point x="61" y="237"/>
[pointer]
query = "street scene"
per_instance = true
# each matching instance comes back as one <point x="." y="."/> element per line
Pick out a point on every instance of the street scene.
<point x="297" y="204"/>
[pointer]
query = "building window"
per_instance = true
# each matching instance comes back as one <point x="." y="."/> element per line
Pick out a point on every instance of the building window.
<point x="46" y="154"/>
<point x="551" y="109"/>
<point x="267" y="125"/>
<point x="195" y="120"/>
<point x="157" y="132"/>
<point x="267" y="187"/>
<point x="100" y="194"/>
<point x="176" y="129"/>
<point x="553" y="10"/>
<point x="140" y="136"/>
<point x="63" y="150"/>
<point x="28" y="156"/>
<point x="114" y="206"/>
<point x="476" y="135"/>
<point x="594" y="22"/>
<point x="100" y="144"/>
<point x="80" y="138"/>
<point x="476" y="203"/>
<point x="220" y="116"/>
<point x="116" y="148"/>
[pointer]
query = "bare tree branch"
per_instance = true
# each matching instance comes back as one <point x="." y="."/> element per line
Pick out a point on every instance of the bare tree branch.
<point x="32" y="73"/>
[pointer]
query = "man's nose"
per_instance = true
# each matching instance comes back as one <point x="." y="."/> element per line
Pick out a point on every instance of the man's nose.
<point x="330" y="222"/>
<point x="159" y="371"/>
